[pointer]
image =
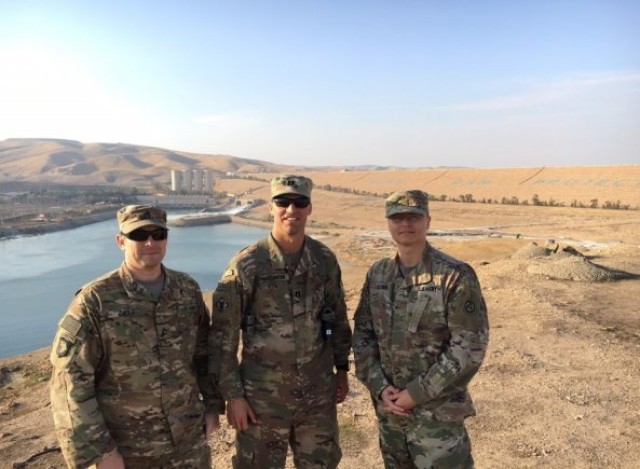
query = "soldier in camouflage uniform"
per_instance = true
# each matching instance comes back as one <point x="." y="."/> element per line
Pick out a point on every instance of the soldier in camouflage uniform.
<point x="420" y="335"/>
<point x="130" y="361"/>
<point x="285" y="294"/>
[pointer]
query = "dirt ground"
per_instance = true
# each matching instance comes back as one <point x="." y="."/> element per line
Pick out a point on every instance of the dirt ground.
<point x="559" y="386"/>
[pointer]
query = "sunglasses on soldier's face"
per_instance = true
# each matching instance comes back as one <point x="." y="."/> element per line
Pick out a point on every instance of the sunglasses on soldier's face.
<point x="142" y="235"/>
<point x="299" y="202"/>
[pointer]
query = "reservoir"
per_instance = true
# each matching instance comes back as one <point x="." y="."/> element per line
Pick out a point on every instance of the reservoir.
<point x="40" y="274"/>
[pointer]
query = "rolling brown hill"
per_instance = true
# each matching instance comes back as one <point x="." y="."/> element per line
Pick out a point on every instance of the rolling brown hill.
<point x="553" y="185"/>
<point x="581" y="186"/>
<point x="71" y="162"/>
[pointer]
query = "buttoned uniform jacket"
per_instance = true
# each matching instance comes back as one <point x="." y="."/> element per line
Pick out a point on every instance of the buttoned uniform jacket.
<point x="284" y="355"/>
<point x="427" y="333"/>
<point x="128" y="371"/>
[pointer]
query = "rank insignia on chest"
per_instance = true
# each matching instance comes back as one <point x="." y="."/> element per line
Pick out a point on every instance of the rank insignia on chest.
<point x="222" y="305"/>
<point x="470" y="307"/>
<point x="297" y="295"/>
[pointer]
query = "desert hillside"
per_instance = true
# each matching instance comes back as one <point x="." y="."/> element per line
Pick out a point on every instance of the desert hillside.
<point x="551" y="185"/>
<point x="52" y="161"/>
<point x="72" y="162"/>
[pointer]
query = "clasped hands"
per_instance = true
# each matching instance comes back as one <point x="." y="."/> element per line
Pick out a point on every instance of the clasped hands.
<point x="396" y="401"/>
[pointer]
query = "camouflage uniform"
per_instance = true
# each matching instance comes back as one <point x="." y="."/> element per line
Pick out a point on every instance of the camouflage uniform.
<point x="426" y="333"/>
<point x="127" y="373"/>
<point x="286" y="373"/>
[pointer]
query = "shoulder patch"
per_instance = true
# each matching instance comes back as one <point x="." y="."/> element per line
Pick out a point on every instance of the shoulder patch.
<point x="63" y="347"/>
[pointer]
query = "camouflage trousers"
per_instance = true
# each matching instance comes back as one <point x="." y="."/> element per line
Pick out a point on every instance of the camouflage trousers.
<point x="312" y="432"/>
<point x="419" y="443"/>
<point x="196" y="457"/>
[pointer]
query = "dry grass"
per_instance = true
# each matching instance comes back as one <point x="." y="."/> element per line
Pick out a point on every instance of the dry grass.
<point x="561" y="184"/>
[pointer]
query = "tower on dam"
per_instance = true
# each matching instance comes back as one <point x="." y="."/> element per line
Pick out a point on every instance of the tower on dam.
<point x="192" y="181"/>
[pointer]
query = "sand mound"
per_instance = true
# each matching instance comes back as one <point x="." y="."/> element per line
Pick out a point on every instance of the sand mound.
<point x="552" y="249"/>
<point x="576" y="268"/>
<point x="532" y="251"/>
<point x="565" y="263"/>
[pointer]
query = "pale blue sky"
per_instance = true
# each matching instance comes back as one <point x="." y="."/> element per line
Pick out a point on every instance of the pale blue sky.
<point x="398" y="83"/>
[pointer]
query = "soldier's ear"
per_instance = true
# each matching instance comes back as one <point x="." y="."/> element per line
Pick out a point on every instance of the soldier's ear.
<point x="120" y="241"/>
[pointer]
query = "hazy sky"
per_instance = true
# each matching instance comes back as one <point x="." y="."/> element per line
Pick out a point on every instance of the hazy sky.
<point x="406" y="83"/>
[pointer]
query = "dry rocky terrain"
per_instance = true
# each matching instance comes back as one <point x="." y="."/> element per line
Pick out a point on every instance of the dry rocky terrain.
<point x="559" y="387"/>
<point x="46" y="162"/>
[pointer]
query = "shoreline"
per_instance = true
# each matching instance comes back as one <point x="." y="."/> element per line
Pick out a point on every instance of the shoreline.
<point x="70" y="223"/>
<point x="61" y="225"/>
<point x="4" y="361"/>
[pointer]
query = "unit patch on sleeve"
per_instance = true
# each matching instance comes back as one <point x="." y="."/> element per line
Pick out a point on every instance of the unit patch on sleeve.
<point x="63" y="347"/>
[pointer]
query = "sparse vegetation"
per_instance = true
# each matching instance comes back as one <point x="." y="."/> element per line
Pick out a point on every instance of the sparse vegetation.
<point x="469" y="198"/>
<point x="351" y="435"/>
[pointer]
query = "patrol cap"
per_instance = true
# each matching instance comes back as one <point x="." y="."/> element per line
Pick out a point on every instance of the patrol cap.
<point x="291" y="184"/>
<point x="133" y="217"/>
<point x="414" y="201"/>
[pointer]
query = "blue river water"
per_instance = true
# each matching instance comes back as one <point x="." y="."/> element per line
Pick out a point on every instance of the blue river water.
<point x="40" y="274"/>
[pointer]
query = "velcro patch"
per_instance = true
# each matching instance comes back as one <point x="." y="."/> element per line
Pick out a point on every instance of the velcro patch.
<point x="71" y="325"/>
<point x="269" y="278"/>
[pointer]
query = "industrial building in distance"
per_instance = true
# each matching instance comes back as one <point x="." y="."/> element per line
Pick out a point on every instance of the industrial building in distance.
<point x="192" y="181"/>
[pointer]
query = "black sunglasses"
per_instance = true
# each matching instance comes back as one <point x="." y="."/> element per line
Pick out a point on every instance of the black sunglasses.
<point x="299" y="202"/>
<point x="143" y="235"/>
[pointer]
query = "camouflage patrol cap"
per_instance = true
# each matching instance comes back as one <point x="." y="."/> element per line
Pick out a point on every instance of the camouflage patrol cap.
<point x="414" y="201"/>
<point x="133" y="217"/>
<point x="291" y="184"/>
